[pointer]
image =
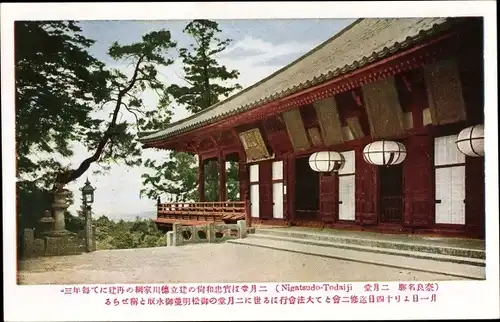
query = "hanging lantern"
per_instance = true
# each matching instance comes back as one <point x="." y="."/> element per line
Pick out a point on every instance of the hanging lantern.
<point x="326" y="161"/>
<point x="384" y="153"/>
<point x="470" y="141"/>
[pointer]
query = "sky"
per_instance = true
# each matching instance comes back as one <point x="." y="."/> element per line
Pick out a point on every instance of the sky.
<point x="259" y="48"/>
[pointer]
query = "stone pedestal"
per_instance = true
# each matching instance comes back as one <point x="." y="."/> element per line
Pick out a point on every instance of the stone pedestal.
<point x="59" y="241"/>
<point x="242" y="227"/>
<point x="170" y="238"/>
<point x="211" y="232"/>
<point x="177" y="237"/>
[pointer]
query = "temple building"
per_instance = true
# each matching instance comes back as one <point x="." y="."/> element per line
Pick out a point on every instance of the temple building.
<point x="379" y="128"/>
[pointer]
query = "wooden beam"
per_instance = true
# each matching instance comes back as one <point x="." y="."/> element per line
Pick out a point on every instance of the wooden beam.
<point x="355" y="127"/>
<point x="383" y="108"/>
<point x="296" y="130"/>
<point x="410" y="59"/>
<point x="444" y="93"/>
<point x="329" y="121"/>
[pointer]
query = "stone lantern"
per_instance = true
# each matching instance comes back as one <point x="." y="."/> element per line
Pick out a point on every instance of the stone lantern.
<point x="88" y="198"/>
<point x="47" y="222"/>
<point x="59" y="206"/>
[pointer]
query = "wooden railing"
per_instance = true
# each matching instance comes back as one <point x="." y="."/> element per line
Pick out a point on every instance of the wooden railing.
<point x="194" y="212"/>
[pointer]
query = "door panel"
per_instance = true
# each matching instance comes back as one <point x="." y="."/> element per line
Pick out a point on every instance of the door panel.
<point x="346" y="197"/>
<point x="277" y="170"/>
<point x="266" y="190"/>
<point x="254" y="200"/>
<point x="418" y="184"/>
<point x="391" y="194"/>
<point x="278" y="200"/>
<point x="450" y="181"/>
<point x="458" y="195"/>
<point x="328" y="198"/>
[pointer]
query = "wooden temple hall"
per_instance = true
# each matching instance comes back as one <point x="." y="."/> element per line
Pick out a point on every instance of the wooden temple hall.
<point x="379" y="128"/>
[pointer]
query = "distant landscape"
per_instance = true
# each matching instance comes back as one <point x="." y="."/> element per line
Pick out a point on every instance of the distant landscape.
<point x="132" y="216"/>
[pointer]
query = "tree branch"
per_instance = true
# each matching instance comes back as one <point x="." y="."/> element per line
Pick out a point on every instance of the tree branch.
<point x="71" y="175"/>
<point x="135" y="115"/>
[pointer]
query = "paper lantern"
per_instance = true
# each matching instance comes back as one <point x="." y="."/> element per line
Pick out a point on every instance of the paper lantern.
<point x="326" y="161"/>
<point x="470" y="141"/>
<point x="384" y="153"/>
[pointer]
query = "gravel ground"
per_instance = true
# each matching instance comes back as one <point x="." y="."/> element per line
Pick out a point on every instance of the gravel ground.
<point x="209" y="263"/>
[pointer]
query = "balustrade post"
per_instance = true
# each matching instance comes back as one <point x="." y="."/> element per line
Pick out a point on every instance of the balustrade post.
<point x="177" y="230"/>
<point x="211" y="232"/>
<point x="242" y="228"/>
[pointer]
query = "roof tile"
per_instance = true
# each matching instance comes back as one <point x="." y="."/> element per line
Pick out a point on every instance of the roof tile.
<point x="363" y="42"/>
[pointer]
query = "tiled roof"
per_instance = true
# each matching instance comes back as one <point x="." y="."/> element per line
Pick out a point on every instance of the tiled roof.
<point x="364" y="41"/>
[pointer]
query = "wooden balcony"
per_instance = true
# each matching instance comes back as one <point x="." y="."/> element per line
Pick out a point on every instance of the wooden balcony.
<point x="195" y="213"/>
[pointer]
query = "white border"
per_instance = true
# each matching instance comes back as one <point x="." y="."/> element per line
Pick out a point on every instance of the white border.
<point x="460" y="299"/>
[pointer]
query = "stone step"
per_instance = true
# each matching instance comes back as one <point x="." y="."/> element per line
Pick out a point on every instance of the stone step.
<point x="380" y="250"/>
<point x="411" y="244"/>
<point x="463" y="271"/>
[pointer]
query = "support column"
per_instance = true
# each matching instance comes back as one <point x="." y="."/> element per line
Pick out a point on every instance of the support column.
<point x="244" y="189"/>
<point x="222" y="177"/>
<point x="89" y="236"/>
<point x="201" y="178"/>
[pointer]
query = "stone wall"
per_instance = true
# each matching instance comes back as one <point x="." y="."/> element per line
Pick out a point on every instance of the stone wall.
<point x="50" y="245"/>
<point x="210" y="233"/>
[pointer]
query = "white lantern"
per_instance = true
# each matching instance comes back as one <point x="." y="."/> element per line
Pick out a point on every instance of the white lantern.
<point x="471" y="141"/>
<point x="326" y="161"/>
<point x="384" y="153"/>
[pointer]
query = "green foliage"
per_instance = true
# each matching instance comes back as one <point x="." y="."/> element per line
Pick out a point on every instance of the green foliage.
<point x="201" y="68"/>
<point x="206" y="82"/>
<point x="128" y="234"/>
<point x="74" y="223"/>
<point x="57" y="84"/>
<point x="59" y="89"/>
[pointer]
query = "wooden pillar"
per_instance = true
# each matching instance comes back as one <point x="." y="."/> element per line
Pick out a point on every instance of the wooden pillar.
<point x="243" y="178"/>
<point x="201" y="178"/>
<point x="290" y="188"/>
<point x="222" y="177"/>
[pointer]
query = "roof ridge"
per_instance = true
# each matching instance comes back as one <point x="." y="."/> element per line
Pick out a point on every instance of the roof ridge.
<point x="246" y="89"/>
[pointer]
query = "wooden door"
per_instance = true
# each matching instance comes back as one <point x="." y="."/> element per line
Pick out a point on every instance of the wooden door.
<point x="266" y="190"/>
<point x="391" y="194"/>
<point x="450" y="195"/>
<point x="366" y="191"/>
<point x="418" y="184"/>
<point x="277" y="179"/>
<point x="328" y="207"/>
<point x="449" y="165"/>
<point x="254" y="191"/>
<point x="347" y="185"/>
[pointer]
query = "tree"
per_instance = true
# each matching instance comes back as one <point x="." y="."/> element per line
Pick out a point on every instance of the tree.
<point x="206" y="83"/>
<point x="115" y="141"/>
<point x="57" y="84"/>
<point x="61" y="89"/>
